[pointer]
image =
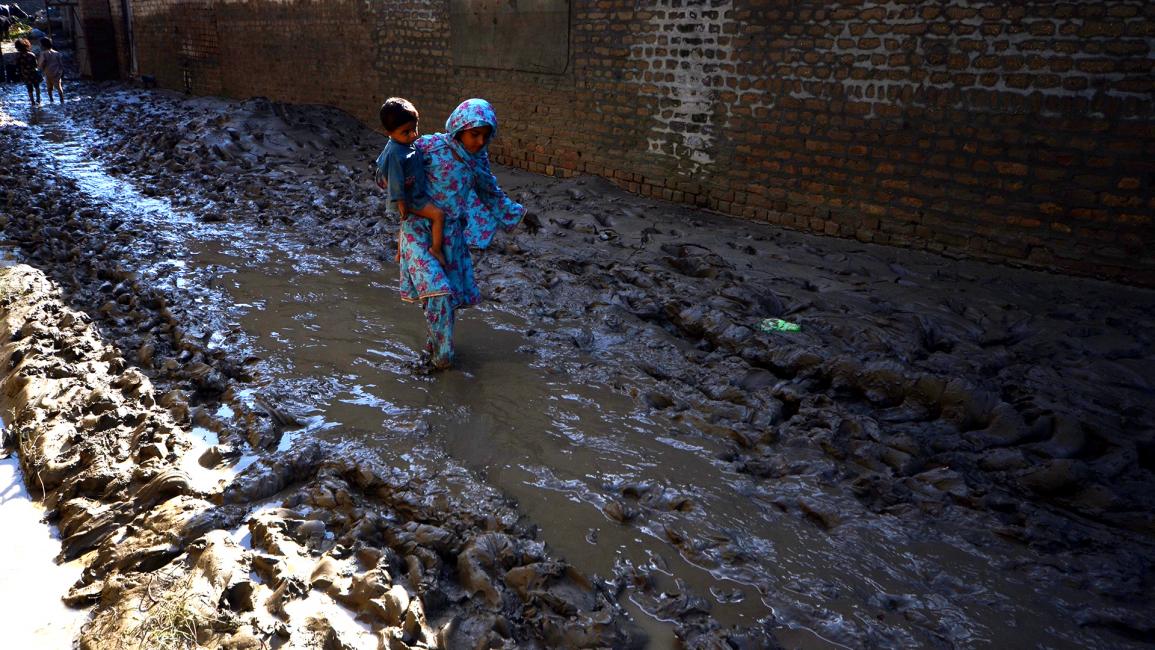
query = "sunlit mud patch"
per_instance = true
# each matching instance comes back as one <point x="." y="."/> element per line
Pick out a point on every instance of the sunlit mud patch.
<point x="7" y="120"/>
<point x="31" y="582"/>
<point x="337" y="538"/>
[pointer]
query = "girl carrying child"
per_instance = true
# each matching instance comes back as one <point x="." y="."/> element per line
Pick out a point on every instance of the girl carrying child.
<point x="461" y="184"/>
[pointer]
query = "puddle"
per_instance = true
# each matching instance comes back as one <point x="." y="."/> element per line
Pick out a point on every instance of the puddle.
<point x="335" y="337"/>
<point x="333" y="334"/>
<point x="31" y="583"/>
<point x="340" y="340"/>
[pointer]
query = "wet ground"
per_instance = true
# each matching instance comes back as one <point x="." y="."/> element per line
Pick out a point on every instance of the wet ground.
<point x="35" y="577"/>
<point x="949" y="454"/>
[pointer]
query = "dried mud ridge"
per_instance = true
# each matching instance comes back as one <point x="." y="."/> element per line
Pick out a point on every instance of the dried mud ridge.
<point x="426" y="568"/>
<point x="915" y="387"/>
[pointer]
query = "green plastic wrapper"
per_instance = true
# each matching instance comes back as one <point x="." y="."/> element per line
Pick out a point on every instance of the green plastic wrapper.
<point x="778" y="325"/>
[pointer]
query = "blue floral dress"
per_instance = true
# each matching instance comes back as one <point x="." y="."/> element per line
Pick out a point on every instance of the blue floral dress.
<point x="464" y="187"/>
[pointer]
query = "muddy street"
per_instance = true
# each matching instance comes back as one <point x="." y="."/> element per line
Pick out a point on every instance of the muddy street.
<point x="948" y="454"/>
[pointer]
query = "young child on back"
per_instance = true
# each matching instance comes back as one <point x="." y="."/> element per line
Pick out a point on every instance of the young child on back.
<point x="403" y="168"/>
<point x="52" y="65"/>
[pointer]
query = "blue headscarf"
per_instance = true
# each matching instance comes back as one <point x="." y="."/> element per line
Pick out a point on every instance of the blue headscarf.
<point x="471" y="114"/>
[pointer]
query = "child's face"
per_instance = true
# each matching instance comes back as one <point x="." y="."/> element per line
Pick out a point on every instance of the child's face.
<point x="405" y="134"/>
<point x="474" y="139"/>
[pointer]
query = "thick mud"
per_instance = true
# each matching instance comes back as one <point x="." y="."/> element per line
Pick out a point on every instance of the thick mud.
<point x="947" y="454"/>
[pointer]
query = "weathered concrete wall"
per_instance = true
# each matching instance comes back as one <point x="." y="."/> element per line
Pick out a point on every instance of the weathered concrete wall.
<point x="531" y="36"/>
<point x="1002" y="130"/>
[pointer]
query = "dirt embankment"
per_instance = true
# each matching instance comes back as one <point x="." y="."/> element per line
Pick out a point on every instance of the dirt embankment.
<point x="937" y="392"/>
<point x="329" y="535"/>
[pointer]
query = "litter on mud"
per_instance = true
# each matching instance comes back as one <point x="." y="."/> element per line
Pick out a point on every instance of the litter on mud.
<point x="771" y="325"/>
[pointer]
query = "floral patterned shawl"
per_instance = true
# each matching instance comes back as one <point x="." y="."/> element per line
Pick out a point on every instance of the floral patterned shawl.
<point x="463" y="186"/>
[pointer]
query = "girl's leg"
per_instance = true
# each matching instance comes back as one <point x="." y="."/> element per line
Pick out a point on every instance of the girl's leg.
<point x="31" y="96"/>
<point x="439" y="316"/>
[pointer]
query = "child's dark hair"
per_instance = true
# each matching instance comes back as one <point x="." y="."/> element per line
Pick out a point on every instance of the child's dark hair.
<point x="22" y="45"/>
<point x="397" y="112"/>
<point x="46" y="43"/>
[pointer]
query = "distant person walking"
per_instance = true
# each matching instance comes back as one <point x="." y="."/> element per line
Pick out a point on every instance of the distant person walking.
<point x="28" y="70"/>
<point x="51" y="63"/>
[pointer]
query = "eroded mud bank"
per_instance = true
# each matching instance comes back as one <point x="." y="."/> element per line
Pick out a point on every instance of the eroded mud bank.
<point x="339" y="550"/>
<point x="949" y="452"/>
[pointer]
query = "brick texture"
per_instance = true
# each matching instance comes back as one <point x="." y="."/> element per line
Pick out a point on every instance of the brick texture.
<point x="1021" y="132"/>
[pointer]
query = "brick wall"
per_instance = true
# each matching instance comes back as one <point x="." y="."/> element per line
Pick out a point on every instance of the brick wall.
<point x="1012" y="131"/>
<point x="177" y="43"/>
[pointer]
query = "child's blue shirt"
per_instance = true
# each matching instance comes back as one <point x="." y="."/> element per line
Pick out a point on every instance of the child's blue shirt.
<point x="404" y="168"/>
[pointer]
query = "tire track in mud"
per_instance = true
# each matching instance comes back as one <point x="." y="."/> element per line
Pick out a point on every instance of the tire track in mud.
<point x="834" y="429"/>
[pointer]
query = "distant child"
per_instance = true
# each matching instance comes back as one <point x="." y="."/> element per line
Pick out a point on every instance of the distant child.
<point x="27" y="69"/>
<point x="401" y="170"/>
<point x="52" y="65"/>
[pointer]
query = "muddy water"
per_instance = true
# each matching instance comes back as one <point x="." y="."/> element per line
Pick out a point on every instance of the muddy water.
<point x="336" y="348"/>
<point x="30" y="589"/>
<point x="339" y="347"/>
